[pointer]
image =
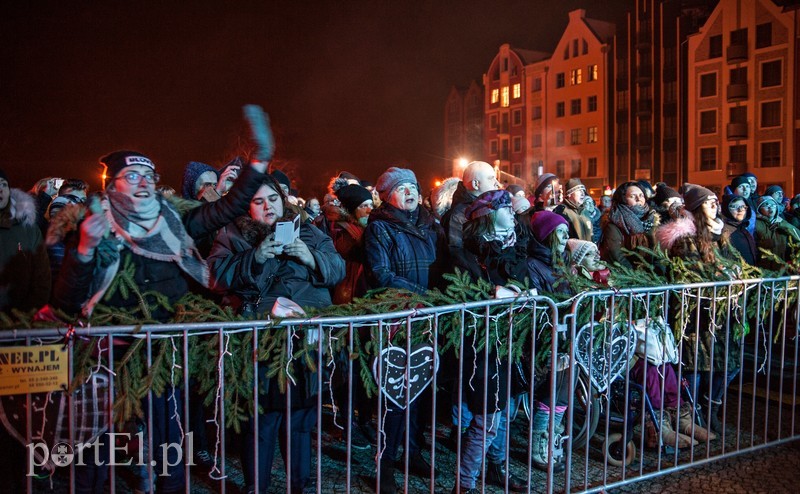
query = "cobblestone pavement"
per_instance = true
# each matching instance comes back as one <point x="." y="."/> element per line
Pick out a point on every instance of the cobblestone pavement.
<point x="775" y="469"/>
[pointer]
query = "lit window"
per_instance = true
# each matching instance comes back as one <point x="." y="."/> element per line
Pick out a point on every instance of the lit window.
<point x="495" y="95"/>
<point x="591" y="133"/>
<point x="517" y="91"/>
<point x="575" y="76"/>
<point x="591" y="74"/>
<point x="504" y="103"/>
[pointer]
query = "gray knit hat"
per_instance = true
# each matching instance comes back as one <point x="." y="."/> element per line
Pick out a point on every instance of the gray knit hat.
<point x="393" y="177"/>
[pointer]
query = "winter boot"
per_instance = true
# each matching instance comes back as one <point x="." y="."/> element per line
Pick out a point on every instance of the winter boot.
<point x="716" y="423"/>
<point x="668" y="434"/>
<point x="686" y="424"/>
<point x="540" y="451"/>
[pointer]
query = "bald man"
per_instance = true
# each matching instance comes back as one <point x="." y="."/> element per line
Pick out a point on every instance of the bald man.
<point x="478" y="177"/>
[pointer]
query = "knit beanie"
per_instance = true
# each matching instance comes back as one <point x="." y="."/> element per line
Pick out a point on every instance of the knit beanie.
<point x="543" y="182"/>
<point x="520" y="204"/>
<point x="393" y="177"/>
<point x="513" y="189"/>
<point x="579" y="249"/>
<point x="543" y="223"/>
<point x="663" y="193"/>
<point x="191" y="173"/>
<point x="696" y="196"/>
<point x="488" y="202"/>
<point x="281" y="178"/>
<point x="736" y="182"/>
<point x="574" y="184"/>
<point x="116" y="161"/>
<point x="351" y="196"/>
<point x="773" y="189"/>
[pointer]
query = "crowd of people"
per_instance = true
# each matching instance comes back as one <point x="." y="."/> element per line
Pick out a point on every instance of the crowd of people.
<point x="62" y="246"/>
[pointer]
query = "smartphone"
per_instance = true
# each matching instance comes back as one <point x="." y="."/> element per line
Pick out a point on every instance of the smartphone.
<point x="287" y="232"/>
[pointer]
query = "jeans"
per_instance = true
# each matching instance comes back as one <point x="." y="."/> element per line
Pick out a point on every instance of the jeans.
<point x="473" y="449"/>
<point x="272" y="429"/>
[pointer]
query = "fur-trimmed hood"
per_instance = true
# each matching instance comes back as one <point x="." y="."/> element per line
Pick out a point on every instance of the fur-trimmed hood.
<point x="672" y="231"/>
<point x="22" y="208"/>
<point x="442" y="196"/>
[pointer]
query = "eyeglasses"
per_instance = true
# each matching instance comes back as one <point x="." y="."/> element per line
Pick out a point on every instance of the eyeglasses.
<point x="135" y="178"/>
<point x="738" y="209"/>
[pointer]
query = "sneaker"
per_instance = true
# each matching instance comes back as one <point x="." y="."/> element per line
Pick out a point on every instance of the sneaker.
<point x="496" y="475"/>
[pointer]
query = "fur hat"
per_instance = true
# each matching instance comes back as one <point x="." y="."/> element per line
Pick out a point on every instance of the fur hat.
<point x="696" y="196"/>
<point x="737" y="181"/>
<point x="579" y="249"/>
<point x="116" y="161"/>
<point x="574" y="184"/>
<point x="543" y="223"/>
<point x="520" y="204"/>
<point x="663" y="193"/>
<point x="487" y="202"/>
<point x="442" y="196"/>
<point x="514" y="188"/>
<point x="543" y="182"/>
<point x="191" y="173"/>
<point x="351" y="196"/>
<point x="393" y="177"/>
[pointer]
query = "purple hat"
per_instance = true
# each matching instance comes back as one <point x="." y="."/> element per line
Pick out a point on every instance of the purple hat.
<point x="543" y="223"/>
<point x="487" y="202"/>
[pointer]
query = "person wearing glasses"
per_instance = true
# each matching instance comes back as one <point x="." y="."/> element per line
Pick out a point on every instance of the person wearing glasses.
<point x="737" y="213"/>
<point x="131" y="223"/>
<point x="628" y="224"/>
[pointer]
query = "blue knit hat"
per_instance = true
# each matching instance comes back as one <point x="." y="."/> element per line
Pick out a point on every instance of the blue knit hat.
<point x="191" y="173"/>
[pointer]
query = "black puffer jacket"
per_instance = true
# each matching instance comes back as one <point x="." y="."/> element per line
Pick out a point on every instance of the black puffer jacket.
<point x="252" y="288"/>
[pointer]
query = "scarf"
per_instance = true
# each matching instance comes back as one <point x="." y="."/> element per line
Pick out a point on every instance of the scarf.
<point x="166" y="241"/>
<point x="631" y="219"/>
<point x="506" y="238"/>
<point x="715" y="225"/>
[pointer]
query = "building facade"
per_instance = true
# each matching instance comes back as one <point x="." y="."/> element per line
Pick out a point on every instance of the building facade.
<point x="463" y="123"/>
<point x="742" y="91"/>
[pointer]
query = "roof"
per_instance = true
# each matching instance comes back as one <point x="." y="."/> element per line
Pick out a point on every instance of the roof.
<point x="602" y="29"/>
<point x="531" y="56"/>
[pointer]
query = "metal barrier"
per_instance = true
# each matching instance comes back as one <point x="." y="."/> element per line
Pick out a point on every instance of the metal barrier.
<point x="494" y="359"/>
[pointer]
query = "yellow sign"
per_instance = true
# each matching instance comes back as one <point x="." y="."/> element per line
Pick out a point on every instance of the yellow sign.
<point x="33" y="369"/>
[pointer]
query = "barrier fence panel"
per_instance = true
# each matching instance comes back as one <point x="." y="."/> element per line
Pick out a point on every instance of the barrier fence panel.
<point x="513" y="394"/>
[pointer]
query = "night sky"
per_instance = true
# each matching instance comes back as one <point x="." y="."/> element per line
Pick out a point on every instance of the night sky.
<point x="355" y="86"/>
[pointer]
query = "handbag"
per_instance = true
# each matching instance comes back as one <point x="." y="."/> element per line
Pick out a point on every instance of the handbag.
<point x="655" y="341"/>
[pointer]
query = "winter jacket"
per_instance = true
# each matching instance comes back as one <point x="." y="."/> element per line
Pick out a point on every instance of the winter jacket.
<point x="252" y="288"/>
<point x="741" y="239"/>
<point x="774" y="237"/>
<point x="73" y="287"/>
<point x="402" y="254"/>
<point x="614" y="240"/>
<point x="24" y="265"/>
<point x="453" y="225"/>
<point x="580" y="226"/>
<point x="541" y="271"/>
